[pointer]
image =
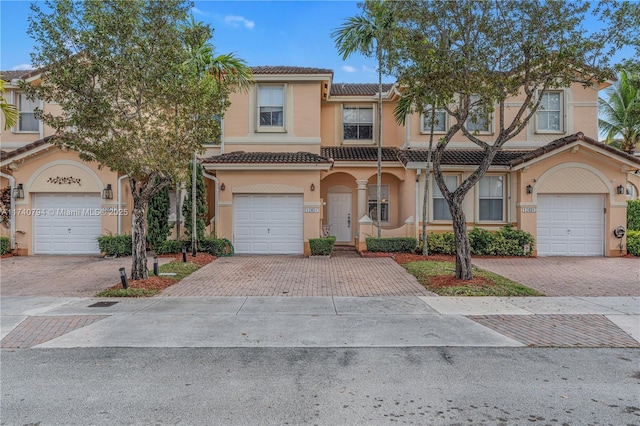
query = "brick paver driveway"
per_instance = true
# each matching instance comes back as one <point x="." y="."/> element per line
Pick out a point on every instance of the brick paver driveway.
<point x="571" y="276"/>
<point x="299" y="276"/>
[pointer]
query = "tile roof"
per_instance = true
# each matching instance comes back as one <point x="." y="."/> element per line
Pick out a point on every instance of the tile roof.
<point x="559" y="143"/>
<point x="282" y="69"/>
<point x="5" y="155"/>
<point x="359" y="153"/>
<point x="460" y="157"/>
<point x="19" y="74"/>
<point x="357" y="89"/>
<point x="241" y="157"/>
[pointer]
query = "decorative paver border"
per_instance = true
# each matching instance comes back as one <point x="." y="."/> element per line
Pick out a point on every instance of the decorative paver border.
<point x="39" y="329"/>
<point x="559" y="330"/>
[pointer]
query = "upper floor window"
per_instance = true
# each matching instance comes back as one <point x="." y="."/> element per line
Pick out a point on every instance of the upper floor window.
<point x="357" y="123"/>
<point x="271" y="106"/>
<point x="632" y="192"/>
<point x="491" y="199"/>
<point x="384" y="202"/>
<point x="478" y="121"/>
<point x="440" y="206"/>
<point x="549" y="115"/>
<point x="27" y="121"/>
<point x="439" y="122"/>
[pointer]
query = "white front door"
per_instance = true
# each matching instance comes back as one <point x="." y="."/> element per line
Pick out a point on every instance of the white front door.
<point x="570" y="225"/>
<point x="67" y="223"/>
<point x="340" y="220"/>
<point x="268" y="224"/>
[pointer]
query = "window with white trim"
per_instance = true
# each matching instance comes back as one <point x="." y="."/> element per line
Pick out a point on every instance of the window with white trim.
<point x="440" y="206"/>
<point x="632" y="192"/>
<point x="439" y="123"/>
<point x="271" y="106"/>
<point x="357" y="123"/>
<point x="549" y="114"/>
<point x="27" y="121"/>
<point x="384" y="202"/>
<point x="477" y="121"/>
<point x="491" y="199"/>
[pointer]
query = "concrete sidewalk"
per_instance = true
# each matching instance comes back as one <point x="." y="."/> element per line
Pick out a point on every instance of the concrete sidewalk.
<point x="320" y="322"/>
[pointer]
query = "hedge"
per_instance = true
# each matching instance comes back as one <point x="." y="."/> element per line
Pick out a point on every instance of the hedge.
<point x="633" y="215"/>
<point x="4" y="245"/>
<point x="214" y="246"/>
<point x="115" y="245"/>
<point x="506" y="241"/>
<point x="633" y="242"/>
<point x="321" y="246"/>
<point x="392" y="245"/>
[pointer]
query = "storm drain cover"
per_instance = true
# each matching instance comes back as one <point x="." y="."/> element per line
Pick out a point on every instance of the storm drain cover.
<point x="102" y="304"/>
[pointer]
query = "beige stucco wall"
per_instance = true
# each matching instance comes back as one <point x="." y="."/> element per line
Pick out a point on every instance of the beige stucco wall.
<point x="35" y="174"/>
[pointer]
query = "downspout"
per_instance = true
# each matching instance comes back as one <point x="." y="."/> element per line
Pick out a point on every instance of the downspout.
<point x="417" y="203"/>
<point x="216" y="207"/>
<point x="120" y="203"/>
<point x="12" y="184"/>
<point x="407" y="141"/>
<point x="221" y="140"/>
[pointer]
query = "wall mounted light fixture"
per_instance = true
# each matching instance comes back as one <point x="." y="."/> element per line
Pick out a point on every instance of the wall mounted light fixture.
<point x="529" y="189"/>
<point x="107" y="193"/>
<point x="620" y="190"/>
<point x="18" y="192"/>
<point x="222" y="186"/>
<point x="312" y="187"/>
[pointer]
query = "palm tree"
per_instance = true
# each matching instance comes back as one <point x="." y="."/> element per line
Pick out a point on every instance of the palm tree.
<point x="620" y="114"/>
<point x="10" y="111"/>
<point x="360" y="34"/>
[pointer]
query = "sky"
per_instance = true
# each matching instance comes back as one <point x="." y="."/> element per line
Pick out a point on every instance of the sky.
<point x="295" y="33"/>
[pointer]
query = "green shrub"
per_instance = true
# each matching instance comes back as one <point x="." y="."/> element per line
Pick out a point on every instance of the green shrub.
<point x="392" y="245"/>
<point x="633" y="215"/>
<point x="4" y="245"/>
<point x="442" y="243"/>
<point x="115" y="245"/>
<point x="321" y="246"/>
<point x="480" y="240"/>
<point x="633" y="242"/>
<point x="171" y="246"/>
<point x="216" y="246"/>
<point x="511" y="242"/>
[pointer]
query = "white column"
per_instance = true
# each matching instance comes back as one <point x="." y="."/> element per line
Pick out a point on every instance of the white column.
<point x="362" y="197"/>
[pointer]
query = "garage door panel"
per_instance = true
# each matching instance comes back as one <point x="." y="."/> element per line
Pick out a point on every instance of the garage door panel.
<point x="70" y="225"/>
<point x="268" y="223"/>
<point x="570" y="225"/>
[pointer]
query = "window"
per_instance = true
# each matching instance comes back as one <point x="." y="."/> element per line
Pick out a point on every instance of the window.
<point x="357" y="123"/>
<point x="477" y="121"/>
<point x="632" y="193"/>
<point x="491" y="198"/>
<point x="384" y="202"/>
<point x="549" y="115"/>
<point x="27" y="121"/>
<point x="440" y="206"/>
<point x="271" y="106"/>
<point x="439" y="124"/>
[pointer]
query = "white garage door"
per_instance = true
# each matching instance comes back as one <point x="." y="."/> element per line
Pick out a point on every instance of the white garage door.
<point x="268" y="224"/>
<point x="67" y="223"/>
<point x="570" y="225"/>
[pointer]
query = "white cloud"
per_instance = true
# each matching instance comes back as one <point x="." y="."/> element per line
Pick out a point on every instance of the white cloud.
<point x="197" y="11"/>
<point x="22" y="67"/>
<point x="348" y="68"/>
<point x="367" y="69"/>
<point x="236" y="21"/>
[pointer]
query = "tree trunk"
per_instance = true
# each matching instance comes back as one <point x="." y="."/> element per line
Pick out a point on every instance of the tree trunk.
<point x="139" y="238"/>
<point x="463" y="248"/>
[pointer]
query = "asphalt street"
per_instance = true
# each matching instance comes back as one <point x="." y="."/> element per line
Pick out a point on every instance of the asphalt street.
<point x="323" y="386"/>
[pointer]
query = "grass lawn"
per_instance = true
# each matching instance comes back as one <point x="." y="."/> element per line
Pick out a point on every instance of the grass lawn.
<point x="155" y="284"/>
<point x="439" y="277"/>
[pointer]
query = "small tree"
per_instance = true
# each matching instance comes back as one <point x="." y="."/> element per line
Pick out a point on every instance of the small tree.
<point x="201" y="205"/>
<point x="158" y="218"/>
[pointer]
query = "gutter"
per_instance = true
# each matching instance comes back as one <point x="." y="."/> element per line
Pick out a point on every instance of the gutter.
<point x="120" y="203"/>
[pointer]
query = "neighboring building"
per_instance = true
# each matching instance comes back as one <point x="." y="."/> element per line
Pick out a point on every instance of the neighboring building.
<point x="298" y="158"/>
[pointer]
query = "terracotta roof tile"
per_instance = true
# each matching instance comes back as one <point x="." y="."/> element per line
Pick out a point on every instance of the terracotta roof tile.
<point x="19" y="74"/>
<point x="559" y="143"/>
<point x="359" y="153"/>
<point x="281" y="69"/>
<point x="4" y="155"/>
<point x="462" y="157"/>
<point x="241" y="157"/>
<point x="357" y="89"/>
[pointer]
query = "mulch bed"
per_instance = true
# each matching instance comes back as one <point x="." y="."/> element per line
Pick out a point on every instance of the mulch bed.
<point x="403" y="258"/>
<point x="160" y="283"/>
<point x="439" y="281"/>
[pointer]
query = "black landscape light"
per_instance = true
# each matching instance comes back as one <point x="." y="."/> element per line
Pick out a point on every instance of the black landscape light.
<point x="184" y="254"/>
<point x="123" y="278"/>
<point x="155" y="265"/>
